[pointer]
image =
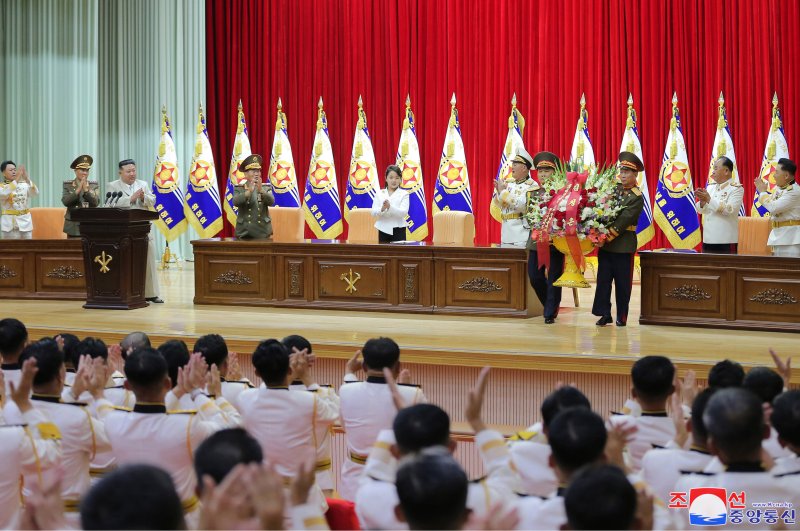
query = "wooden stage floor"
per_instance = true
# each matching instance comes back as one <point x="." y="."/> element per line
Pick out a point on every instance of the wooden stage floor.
<point x="573" y="344"/>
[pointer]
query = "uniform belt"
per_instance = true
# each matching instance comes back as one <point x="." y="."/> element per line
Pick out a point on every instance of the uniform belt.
<point x="100" y="472"/>
<point x="515" y="215"/>
<point x="323" y="465"/>
<point x="788" y="223"/>
<point x="15" y="212"/>
<point x="631" y="227"/>
<point x="72" y="506"/>
<point x="358" y="459"/>
<point x="190" y="504"/>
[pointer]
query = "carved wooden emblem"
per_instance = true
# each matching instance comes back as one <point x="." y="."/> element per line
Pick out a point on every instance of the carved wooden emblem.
<point x="688" y="292"/>
<point x="480" y="284"/>
<point x="103" y="259"/>
<point x="65" y="272"/>
<point x="350" y="279"/>
<point x="409" y="291"/>
<point x="7" y="272"/>
<point x="294" y="278"/>
<point x="774" y="296"/>
<point x="233" y="277"/>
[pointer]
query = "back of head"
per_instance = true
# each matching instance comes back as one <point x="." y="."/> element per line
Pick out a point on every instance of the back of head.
<point x="93" y="347"/>
<point x="789" y="166"/>
<point x="271" y="361"/>
<point x="421" y="426"/>
<point x="786" y="417"/>
<point x="764" y="382"/>
<point x="380" y="353"/>
<point x="133" y="497"/>
<point x="734" y="418"/>
<point x="213" y="348"/>
<point x="133" y="341"/>
<point x="699" y="430"/>
<point x="13" y="336"/>
<point x="222" y="451"/>
<point x="561" y="399"/>
<point x="652" y="377"/>
<point x="298" y="342"/>
<point x="70" y="350"/>
<point x="577" y="437"/>
<point x="600" y="497"/>
<point x="49" y="360"/>
<point x="145" y="368"/>
<point x="726" y="373"/>
<point x="432" y="488"/>
<point x="176" y="354"/>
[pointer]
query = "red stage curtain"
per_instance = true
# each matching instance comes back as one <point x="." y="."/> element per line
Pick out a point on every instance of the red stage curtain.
<point x="484" y="51"/>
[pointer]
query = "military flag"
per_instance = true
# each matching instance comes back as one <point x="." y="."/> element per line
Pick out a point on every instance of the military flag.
<point x="362" y="179"/>
<point x="203" y="205"/>
<point x="282" y="174"/>
<point x="630" y="142"/>
<point x="241" y="150"/>
<point x="167" y="185"/>
<point x="582" y="154"/>
<point x="452" y="190"/>
<point x="321" y="204"/>
<point x="516" y="124"/>
<point x="408" y="159"/>
<point x="723" y="145"/>
<point x="776" y="149"/>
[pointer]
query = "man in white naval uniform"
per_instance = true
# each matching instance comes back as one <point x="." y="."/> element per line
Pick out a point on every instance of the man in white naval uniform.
<point x="784" y="209"/>
<point x="512" y="199"/>
<point x="138" y="194"/>
<point x="719" y="203"/>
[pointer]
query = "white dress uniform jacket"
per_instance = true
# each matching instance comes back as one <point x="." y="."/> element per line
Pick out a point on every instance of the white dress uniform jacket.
<point x="12" y="373"/>
<point x="662" y="468"/>
<point x="324" y="464"/>
<point x="513" y="204"/>
<point x="14" y="198"/>
<point x="285" y="422"/>
<point x="784" y="211"/>
<point x="530" y="454"/>
<point x="653" y="430"/>
<point x="395" y="215"/>
<point x="146" y="203"/>
<point x="721" y="213"/>
<point x="367" y="408"/>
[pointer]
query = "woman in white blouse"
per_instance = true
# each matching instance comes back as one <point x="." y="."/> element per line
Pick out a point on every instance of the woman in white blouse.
<point x="390" y="207"/>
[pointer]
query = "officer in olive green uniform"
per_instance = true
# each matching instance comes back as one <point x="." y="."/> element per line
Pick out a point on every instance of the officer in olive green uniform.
<point x="615" y="257"/>
<point x="252" y="200"/>
<point x="78" y="193"/>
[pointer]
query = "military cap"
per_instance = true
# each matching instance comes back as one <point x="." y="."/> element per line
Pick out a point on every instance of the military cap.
<point x="631" y="161"/>
<point x="524" y="157"/>
<point x="253" y="162"/>
<point x="546" y="161"/>
<point x="83" y="162"/>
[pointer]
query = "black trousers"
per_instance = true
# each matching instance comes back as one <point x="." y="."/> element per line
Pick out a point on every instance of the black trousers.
<point x="542" y="281"/>
<point x="398" y="235"/>
<point x="616" y="267"/>
<point x="720" y="248"/>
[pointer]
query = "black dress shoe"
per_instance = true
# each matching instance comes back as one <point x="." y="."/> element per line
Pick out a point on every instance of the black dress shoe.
<point x="155" y="300"/>
<point x="621" y="323"/>
<point x="606" y="319"/>
<point x="549" y="320"/>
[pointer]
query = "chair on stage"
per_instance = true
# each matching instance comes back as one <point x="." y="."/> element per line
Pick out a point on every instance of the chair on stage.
<point x="451" y="227"/>
<point x="361" y="226"/>
<point x="288" y="224"/>
<point x="753" y="236"/>
<point x="48" y="223"/>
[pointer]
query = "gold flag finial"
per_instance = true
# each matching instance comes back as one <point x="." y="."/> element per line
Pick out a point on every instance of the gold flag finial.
<point x="200" y="120"/>
<point x="721" y="121"/>
<point x="721" y="100"/>
<point x="630" y="99"/>
<point x="164" y="120"/>
<point x="775" y="99"/>
<point x="583" y="100"/>
<point x="239" y="107"/>
<point x="776" y="114"/>
<point x="675" y="98"/>
<point x="320" y="122"/>
<point x="408" y="100"/>
<point x="280" y="104"/>
<point x="514" y="101"/>
<point x="631" y="120"/>
<point x="409" y="115"/>
<point x="360" y="101"/>
<point x="319" y="105"/>
<point x="453" y="100"/>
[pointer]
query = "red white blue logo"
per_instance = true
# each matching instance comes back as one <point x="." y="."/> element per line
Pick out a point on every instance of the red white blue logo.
<point x="708" y="506"/>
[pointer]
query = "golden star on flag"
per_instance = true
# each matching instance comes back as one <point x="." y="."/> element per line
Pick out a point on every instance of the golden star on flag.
<point x="281" y="173"/>
<point x="360" y="175"/>
<point x="451" y="175"/>
<point x="166" y="173"/>
<point x="200" y="172"/>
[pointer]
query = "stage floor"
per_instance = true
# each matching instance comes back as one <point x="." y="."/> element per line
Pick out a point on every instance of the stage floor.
<point x="573" y="344"/>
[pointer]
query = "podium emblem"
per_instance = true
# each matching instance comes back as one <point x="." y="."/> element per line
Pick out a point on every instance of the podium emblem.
<point x="351" y="280"/>
<point x="103" y="259"/>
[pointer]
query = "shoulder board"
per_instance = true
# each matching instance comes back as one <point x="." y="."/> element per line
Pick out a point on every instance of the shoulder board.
<point x="657" y="446"/>
<point x="636" y="190"/>
<point x="120" y="408"/>
<point x="478" y="480"/>
<point x="182" y="412"/>
<point x="524" y="435"/>
<point x="325" y="385"/>
<point x="373" y="478"/>
<point x="352" y="381"/>
<point x="617" y="413"/>
<point x="79" y="404"/>
<point x="13" y="425"/>
<point x="523" y="495"/>
<point x="695" y="473"/>
<point x="409" y="385"/>
<point x="738" y="185"/>
<point x="795" y="473"/>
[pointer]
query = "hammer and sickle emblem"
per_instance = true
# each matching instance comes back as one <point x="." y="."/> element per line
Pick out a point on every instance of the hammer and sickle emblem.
<point x="103" y="259"/>
<point x="351" y="279"/>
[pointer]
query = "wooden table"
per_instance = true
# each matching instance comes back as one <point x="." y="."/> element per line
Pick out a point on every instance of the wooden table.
<point x="42" y="269"/>
<point x="413" y="277"/>
<point x="720" y="291"/>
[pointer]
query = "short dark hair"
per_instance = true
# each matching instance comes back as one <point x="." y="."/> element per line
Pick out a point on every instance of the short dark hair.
<point x="561" y="399"/>
<point x="213" y="348"/>
<point x="298" y="342"/>
<point x="380" y="353"/>
<point x="13" y="336"/>
<point x="786" y="416"/>
<point x="145" y="368"/>
<point x="176" y="354"/>
<point x="6" y="163"/>
<point x="70" y="350"/>
<point x="133" y="341"/>
<point x="421" y="426"/>
<point x="653" y="376"/>
<point x="726" y="162"/>
<point x="222" y="451"/>
<point x="133" y="497"/>
<point x="764" y="382"/>
<point x="726" y="373"/>
<point x="432" y="489"/>
<point x="577" y="437"/>
<point x="125" y="162"/>
<point x="271" y="361"/>
<point x="600" y="497"/>
<point x="788" y="165"/>
<point x="94" y="347"/>
<point x="49" y="360"/>
<point x="734" y="418"/>
<point x="699" y="431"/>
<point x="393" y="168"/>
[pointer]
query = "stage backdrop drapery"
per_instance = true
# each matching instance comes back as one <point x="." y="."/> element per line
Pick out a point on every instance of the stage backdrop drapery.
<point x="484" y="51"/>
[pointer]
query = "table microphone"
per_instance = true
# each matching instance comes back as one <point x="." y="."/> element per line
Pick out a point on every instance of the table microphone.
<point x="108" y="198"/>
<point x="118" y="197"/>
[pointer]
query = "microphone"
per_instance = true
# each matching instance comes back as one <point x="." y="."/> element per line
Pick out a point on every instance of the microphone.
<point x="118" y="196"/>
<point x="108" y="198"/>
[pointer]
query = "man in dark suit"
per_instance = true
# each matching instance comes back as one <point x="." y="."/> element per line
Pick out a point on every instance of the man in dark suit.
<point x="615" y="257"/>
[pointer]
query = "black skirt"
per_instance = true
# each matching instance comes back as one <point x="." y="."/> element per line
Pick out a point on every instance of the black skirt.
<point x="398" y="234"/>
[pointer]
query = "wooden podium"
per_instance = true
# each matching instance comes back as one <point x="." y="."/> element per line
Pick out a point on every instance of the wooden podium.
<point x="114" y="256"/>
